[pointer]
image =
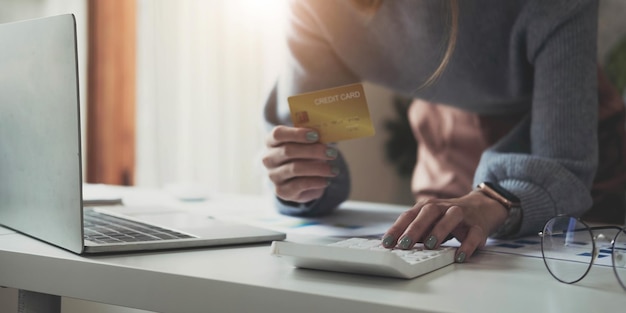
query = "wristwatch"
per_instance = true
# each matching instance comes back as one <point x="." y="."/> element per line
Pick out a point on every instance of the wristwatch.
<point x="510" y="202"/>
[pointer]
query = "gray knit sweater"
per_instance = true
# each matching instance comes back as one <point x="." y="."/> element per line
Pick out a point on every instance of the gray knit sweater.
<point x="512" y="56"/>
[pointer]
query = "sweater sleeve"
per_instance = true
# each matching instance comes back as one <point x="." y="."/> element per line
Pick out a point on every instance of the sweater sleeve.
<point x="311" y="65"/>
<point x="549" y="160"/>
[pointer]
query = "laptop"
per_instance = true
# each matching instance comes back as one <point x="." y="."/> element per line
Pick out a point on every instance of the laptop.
<point x="40" y="153"/>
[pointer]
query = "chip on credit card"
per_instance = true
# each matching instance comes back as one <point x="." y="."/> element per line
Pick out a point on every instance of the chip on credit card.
<point x="337" y="114"/>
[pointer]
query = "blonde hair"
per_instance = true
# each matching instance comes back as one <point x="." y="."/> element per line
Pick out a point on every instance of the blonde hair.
<point x="453" y="22"/>
<point x="371" y="6"/>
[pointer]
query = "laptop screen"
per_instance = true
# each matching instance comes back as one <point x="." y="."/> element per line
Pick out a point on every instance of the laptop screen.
<point x="40" y="152"/>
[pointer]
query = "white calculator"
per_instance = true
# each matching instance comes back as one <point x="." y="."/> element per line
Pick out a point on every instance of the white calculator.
<point x="364" y="256"/>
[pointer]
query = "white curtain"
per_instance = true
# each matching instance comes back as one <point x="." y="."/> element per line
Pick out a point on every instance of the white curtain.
<point x="204" y="68"/>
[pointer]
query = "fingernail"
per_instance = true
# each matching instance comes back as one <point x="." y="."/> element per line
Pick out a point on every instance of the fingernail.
<point x="335" y="170"/>
<point x="431" y="242"/>
<point x="331" y="153"/>
<point x="312" y="136"/>
<point x="405" y="242"/>
<point x="388" y="241"/>
<point x="460" y="258"/>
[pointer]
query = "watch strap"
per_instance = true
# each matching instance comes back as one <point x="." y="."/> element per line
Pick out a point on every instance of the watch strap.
<point x="510" y="202"/>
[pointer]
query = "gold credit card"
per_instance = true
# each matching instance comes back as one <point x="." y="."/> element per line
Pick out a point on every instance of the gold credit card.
<point x="338" y="113"/>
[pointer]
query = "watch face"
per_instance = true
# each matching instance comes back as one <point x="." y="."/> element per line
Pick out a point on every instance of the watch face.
<point x="503" y="192"/>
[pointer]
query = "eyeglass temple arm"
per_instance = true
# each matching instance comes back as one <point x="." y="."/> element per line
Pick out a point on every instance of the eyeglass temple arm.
<point x="608" y="227"/>
<point x="613" y="227"/>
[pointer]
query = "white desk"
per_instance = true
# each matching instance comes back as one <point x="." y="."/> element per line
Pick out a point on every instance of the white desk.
<point x="248" y="279"/>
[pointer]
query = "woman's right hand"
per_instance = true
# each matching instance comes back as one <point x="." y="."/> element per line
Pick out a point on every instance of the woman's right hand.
<point x="297" y="163"/>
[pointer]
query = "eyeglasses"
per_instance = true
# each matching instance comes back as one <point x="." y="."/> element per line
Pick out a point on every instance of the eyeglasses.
<point x="569" y="248"/>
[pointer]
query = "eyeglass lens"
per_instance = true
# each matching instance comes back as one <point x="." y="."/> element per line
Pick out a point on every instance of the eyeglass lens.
<point x="564" y="238"/>
<point x="619" y="257"/>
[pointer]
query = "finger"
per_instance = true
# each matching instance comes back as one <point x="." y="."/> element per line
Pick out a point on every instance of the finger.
<point x="309" y="195"/>
<point x="393" y="233"/>
<point x="475" y="238"/>
<point x="282" y="134"/>
<point x="302" y="189"/>
<point x="421" y="225"/>
<point x="276" y="156"/>
<point x="302" y="168"/>
<point x="452" y="217"/>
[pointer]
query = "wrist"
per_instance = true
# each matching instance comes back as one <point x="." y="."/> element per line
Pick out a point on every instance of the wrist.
<point x="511" y="203"/>
<point x="495" y="213"/>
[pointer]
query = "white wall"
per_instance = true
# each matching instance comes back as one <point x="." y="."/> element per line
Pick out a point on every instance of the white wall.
<point x="204" y="68"/>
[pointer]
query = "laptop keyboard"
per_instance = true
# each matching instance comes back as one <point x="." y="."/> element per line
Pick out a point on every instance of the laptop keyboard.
<point x="104" y="228"/>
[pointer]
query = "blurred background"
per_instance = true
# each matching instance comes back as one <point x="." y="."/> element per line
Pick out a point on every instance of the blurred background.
<point x="172" y="92"/>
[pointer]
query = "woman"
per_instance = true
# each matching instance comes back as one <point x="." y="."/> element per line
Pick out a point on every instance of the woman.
<point x="505" y="99"/>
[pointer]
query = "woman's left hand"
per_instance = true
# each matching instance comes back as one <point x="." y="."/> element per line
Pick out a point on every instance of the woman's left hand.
<point x="471" y="219"/>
